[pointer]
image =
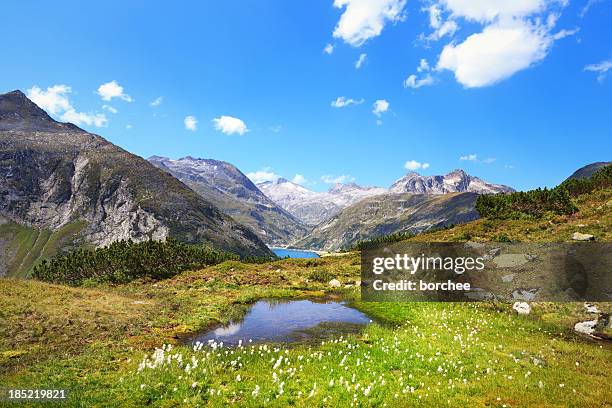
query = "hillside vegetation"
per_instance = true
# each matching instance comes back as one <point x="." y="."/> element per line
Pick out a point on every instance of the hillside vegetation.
<point x="124" y="342"/>
<point x="540" y="202"/>
<point x="591" y="200"/>
<point x="93" y="341"/>
<point x="124" y="261"/>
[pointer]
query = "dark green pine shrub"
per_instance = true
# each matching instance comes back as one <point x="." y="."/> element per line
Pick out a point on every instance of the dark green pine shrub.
<point x="537" y="203"/>
<point x="602" y="178"/>
<point x="123" y="261"/>
<point x="526" y="204"/>
<point x="385" y="239"/>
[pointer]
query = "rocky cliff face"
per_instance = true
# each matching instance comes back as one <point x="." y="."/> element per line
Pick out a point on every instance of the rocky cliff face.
<point x="230" y="190"/>
<point x="457" y="181"/>
<point x="391" y="213"/>
<point x="53" y="174"/>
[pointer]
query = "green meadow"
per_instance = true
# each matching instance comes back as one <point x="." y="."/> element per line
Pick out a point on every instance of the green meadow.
<point x="125" y="343"/>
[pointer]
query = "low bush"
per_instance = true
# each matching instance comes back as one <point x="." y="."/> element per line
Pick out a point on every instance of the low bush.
<point x="123" y="261"/>
<point x="537" y="203"/>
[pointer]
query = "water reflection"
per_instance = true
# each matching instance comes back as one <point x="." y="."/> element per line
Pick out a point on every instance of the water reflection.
<point x="288" y="321"/>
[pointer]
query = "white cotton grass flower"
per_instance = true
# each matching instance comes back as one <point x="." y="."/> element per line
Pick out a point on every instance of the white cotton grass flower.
<point x="312" y="392"/>
<point x="278" y="362"/>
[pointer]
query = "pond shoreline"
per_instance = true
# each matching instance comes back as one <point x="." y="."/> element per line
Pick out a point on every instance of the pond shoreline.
<point x="339" y="312"/>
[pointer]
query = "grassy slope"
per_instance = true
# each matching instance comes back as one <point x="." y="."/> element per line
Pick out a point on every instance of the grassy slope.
<point x="91" y="340"/>
<point x="28" y="246"/>
<point x="594" y="217"/>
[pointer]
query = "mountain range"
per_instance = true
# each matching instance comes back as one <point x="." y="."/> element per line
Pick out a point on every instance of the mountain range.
<point x="64" y="187"/>
<point x="387" y="214"/>
<point x="457" y="181"/>
<point x="313" y="208"/>
<point x="229" y="189"/>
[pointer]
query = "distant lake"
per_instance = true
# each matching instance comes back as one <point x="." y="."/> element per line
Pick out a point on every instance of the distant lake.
<point x="294" y="253"/>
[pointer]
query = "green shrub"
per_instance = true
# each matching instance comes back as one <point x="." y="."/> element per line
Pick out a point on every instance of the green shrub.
<point x="395" y="237"/>
<point x="123" y="261"/>
<point x="320" y="275"/>
<point x="602" y="178"/>
<point x="502" y="238"/>
<point x="541" y="202"/>
<point x="526" y="204"/>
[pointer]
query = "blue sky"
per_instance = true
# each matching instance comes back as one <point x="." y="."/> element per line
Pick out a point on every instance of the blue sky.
<point x="516" y="92"/>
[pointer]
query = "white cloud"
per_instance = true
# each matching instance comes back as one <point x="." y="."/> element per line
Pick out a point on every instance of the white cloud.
<point x="55" y="101"/>
<point x="415" y="165"/>
<point x="380" y="107"/>
<point x="601" y="68"/>
<point x="516" y="35"/>
<point x="435" y="15"/>
<point x="564" y="33"/>
<point x="345" y="178"/>
<point x="230" y="125"/>
<point x="360" y="60"/>
<point x="82" y="118"/>
<point x="499" y="51"/>
<point x="260" y="176"/>
<point x="191" y="123"/>
<point x="489" y="10"/>
<point x="441" y="28"/>
<point x="469" y="157"/>
<point x="112" y="90"/>
<point x="158" y="101"/>
<point x="299" y="179"/>
<point x="474" y="158"/>
<point x="128" y="126"/>
<point x="342" y="101"/>
<point x="423" y="65"/>
<point x="449" y="27"/>
<point x="365" y="19"/>
<point x="110" y="108"/>
<point x="276" y="128"/>
<point x="588" y="6"/>
<point x="413" y="82"/>
<point x="329" y="49"/>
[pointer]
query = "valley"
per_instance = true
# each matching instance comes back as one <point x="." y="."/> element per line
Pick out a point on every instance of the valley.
<point x="126" y="342"/>
<point x="151" y="331"/>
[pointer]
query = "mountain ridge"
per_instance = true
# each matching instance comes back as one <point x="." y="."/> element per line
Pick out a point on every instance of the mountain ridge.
<point x="316" y="207"/>
<point x="396" y="212"/>
<point x="456" y="181"/>
<point x="588" y="170"/>
<point x="53" y="174"/>
<point x="234" y="193"/>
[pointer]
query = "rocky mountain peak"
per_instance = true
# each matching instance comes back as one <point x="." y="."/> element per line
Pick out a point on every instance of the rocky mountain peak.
<point x="457" y="181"/>
<point x="458" y="172"/>
<point x="17" y="112"/>
<point x="228" y="188"/>
<point x="340" y="187"/>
